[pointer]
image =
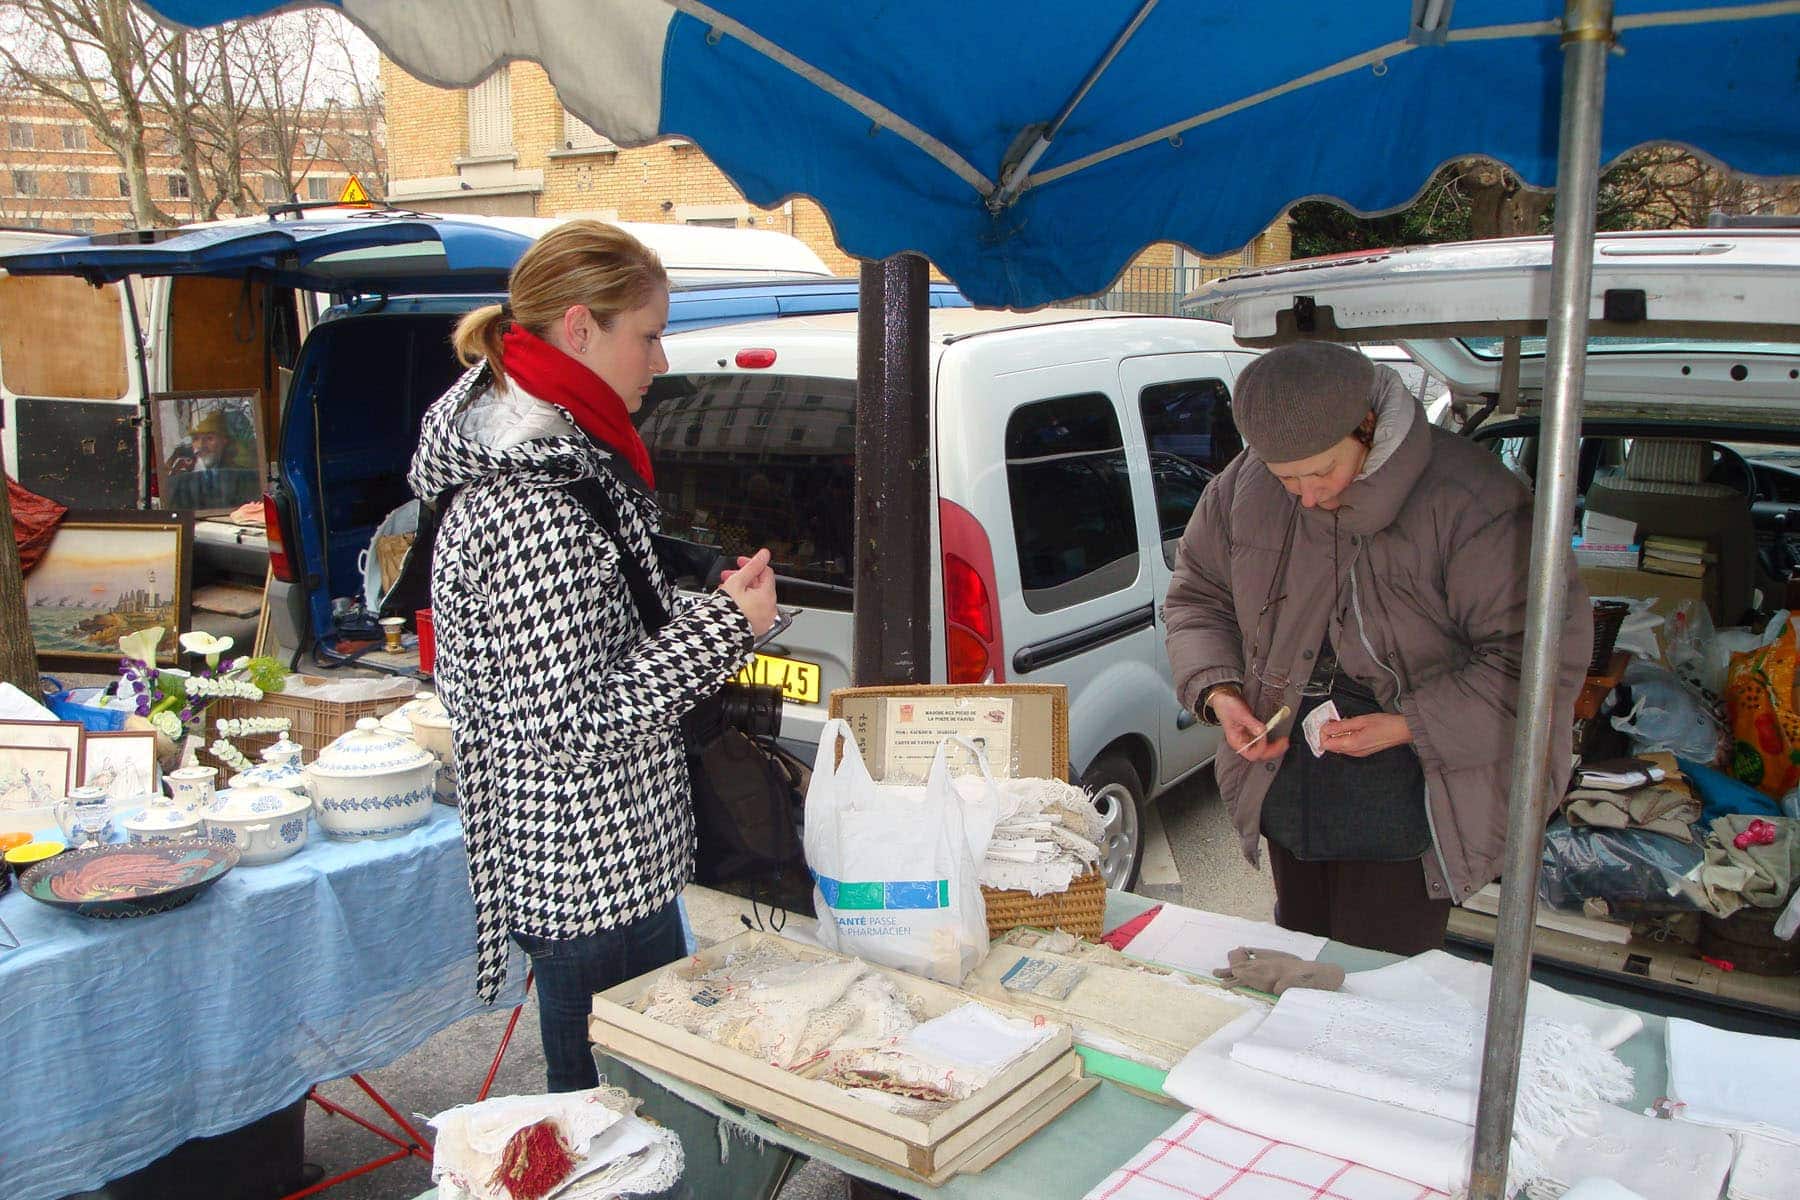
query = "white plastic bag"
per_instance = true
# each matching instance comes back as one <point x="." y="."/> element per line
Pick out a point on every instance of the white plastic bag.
<point x="895" y="865"/>
<point x="1669" y="715"/>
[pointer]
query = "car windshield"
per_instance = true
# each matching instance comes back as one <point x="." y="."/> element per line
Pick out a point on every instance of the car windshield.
<point x="1533" y="347"/>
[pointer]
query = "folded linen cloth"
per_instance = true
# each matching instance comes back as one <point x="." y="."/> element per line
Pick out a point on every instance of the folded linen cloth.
<point x="1410" y="977"/>
<point x="1766" y="1169"/>
<point x="1202" y="1156"/>
<point x="1601" y="1189"/>
<point x="1756" y="875"/>
<point x="601" y="1148"/>
<point x="1422" y="1149"/>
<point x="1425" y="1055"/>
<point x="1736" y="1081"/>
<point x="1665" y="808"/>
<point x="1658" y="1160"/>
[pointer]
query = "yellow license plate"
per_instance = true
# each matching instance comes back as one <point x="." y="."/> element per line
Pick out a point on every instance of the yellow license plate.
<point x="798" y="681"/>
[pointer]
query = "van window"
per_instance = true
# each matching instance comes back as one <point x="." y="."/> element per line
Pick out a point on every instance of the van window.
<point x="1191" y="436"/>
<point x="1081" y="544"/>
<point x="783" y="477"/>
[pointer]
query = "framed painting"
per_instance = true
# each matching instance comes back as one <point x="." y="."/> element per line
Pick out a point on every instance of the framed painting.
<point x="106" y="575"/>
<point x="123" y="763"/>
<point x="31" y="782"/>
<point x="51" y="735"/>
<point x="209" y="449"/>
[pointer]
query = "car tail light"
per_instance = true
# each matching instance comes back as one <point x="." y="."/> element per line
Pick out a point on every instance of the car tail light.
<point x="756" y="357"/>
<point x="973" y="646"/>
<point x="278" y="559"/>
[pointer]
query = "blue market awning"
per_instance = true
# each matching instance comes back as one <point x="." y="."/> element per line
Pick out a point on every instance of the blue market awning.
<point x="1208" y="121"/>
<point x="369" y="252"/>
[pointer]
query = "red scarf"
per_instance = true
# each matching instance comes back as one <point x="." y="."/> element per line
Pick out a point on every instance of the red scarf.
<point x="553" y="376"/>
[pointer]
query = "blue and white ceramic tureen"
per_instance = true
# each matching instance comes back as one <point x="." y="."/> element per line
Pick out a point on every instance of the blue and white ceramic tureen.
<point x="372" y="783"/>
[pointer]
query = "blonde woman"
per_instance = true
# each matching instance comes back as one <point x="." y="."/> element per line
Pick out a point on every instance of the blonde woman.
<point x="574" y="788"/>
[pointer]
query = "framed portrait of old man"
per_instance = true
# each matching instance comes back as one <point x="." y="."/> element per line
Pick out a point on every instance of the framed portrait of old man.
<point x="209" y="449"/>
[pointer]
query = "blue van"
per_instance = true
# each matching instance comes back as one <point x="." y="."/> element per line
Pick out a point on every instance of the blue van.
<point x="357" y="385"/>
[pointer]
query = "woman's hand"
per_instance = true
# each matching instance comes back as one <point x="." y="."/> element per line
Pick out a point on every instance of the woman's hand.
<point x="1360" y="737"/>
<point x="752" y="586"/>
<point x="1241" y="728"/>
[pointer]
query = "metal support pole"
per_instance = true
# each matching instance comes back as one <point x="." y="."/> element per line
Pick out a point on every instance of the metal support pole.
<point x="1587" y="36"/>
<point x="891" y="625"/>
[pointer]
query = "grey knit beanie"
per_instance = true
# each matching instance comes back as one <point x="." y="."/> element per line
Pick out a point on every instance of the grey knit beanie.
<point x="1300" y="400"/>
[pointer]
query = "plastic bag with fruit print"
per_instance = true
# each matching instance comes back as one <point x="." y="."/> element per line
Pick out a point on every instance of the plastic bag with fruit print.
<point x="1765" y="721"/>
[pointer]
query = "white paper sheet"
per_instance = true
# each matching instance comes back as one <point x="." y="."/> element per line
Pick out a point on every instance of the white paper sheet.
<point x="1190" y="940"/>
<point x="17" y="706"/>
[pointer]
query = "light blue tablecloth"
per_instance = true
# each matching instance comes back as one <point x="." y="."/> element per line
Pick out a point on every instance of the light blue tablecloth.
<point x="124" y="1038"/>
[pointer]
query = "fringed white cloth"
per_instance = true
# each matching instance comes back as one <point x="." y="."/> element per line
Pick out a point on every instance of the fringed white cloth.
<point x="1411" y="977"/>
<point x="1199" y="1156"/>
<point x="1426" y="1056"/>
<point x="1049" y="833"/>
<point x="616" y="1153"/>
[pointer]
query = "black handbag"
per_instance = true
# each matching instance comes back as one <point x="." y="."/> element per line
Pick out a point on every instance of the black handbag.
<point x="745" y="787"/>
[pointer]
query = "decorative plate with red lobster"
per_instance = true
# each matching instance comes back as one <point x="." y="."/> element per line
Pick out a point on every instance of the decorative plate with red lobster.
<point x="129" y="880"/>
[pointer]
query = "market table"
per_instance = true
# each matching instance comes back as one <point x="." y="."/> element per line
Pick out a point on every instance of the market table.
<point x="1099" y="1133"/>
<point x="125" y="1038"/>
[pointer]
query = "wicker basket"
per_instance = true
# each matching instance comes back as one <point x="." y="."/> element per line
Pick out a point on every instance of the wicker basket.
<point x="1081" y="910"/>
<point x="314" y="723"/>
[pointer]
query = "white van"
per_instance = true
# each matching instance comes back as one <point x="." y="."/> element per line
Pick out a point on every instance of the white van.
<point x="1068" y="449"/>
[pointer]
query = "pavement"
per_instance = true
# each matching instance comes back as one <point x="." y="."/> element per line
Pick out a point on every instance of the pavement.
<point x="1191" y="857"/>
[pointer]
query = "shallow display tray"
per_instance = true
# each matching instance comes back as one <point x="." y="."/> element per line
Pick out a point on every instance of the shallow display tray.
<point x="967" y="1136"/>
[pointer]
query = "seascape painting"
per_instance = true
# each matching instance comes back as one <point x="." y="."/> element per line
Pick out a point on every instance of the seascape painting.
<point x="104" y="578"/>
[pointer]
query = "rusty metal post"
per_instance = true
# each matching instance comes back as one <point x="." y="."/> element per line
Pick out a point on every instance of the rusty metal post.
<point x="892" y="621"/>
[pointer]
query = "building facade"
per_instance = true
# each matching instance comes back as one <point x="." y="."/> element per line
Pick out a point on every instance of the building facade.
<point x="506" y="147"/>
<point x="56" y="173"/>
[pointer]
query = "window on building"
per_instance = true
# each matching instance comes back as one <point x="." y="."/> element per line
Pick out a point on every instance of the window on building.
<point x="490" y="114"/>
<point x="178" y="187"/>
<point x="1085" y="545"/>
<point x="80" y="184"/>
<point x="318" y="188"/>
<point x="82" y="225"/>
<point x="74" y="137"/>
<point x="25" y="183"/>
<point x="18" y="136"/>
<point x="274" y="191"/>
<point x="313" y="145"/>
<point x="578" y="135"/>
<point x="713" y="222"/>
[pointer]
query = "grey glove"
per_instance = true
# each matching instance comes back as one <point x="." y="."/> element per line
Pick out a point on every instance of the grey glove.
<point x="1275" y="971"/>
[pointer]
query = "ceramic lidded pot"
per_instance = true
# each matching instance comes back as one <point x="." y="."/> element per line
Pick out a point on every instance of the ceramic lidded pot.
<point x="280" y="768"/>
<point x="425" y="719"/>
<point x="266" y="824"/>
<point x="160" y="821"/>
<point x="372" y="783"/>
<point x="191" y="788"/>
<point x="85" y="815"/>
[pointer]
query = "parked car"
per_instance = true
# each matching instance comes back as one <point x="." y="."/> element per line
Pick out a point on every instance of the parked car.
<point x="1690" y="425"/>
<point x="1069" y="448"/>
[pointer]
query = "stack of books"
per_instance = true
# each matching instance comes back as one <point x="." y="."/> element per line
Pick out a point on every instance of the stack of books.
<point x="1676" y="556"/>
<point x="1607" y="541"/>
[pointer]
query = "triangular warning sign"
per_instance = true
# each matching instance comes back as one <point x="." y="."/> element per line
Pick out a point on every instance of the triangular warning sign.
<point x="354" y="193"/>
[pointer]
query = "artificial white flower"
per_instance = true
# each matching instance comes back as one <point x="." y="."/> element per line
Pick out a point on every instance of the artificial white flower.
<point x="230" y="755"/>
<point x="167" y="724"/>
<point x="140" y="647"/>
<point x="198" y="641"/>
<point x="250" y="726"/>
<point x="213" y="689"/>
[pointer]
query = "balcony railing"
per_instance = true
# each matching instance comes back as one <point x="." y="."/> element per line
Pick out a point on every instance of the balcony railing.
<point x="1157" y="289"/>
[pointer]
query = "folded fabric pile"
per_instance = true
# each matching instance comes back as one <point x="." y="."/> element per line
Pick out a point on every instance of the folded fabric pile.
<point x="1049" y="833"/>
<point x="1742" y="1084"/>
<point x="842" y="1022"/>
<point x="1389" y="1078"/>
<point x="570" y="1146"/>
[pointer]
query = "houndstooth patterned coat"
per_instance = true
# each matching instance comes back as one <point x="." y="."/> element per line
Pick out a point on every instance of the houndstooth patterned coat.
<point x="575" y="795"/>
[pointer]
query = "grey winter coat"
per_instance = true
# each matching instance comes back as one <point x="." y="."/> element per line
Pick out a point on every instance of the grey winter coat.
<point x="1432" y="542"/>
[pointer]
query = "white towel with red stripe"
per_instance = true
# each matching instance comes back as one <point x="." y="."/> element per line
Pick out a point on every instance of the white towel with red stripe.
<point x="1202" y="1158"/>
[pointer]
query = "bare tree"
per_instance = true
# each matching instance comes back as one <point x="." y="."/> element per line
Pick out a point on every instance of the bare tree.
<point x="93" y="55"/>
<point x="281" y="72"/>
<point x="354" y="78"/>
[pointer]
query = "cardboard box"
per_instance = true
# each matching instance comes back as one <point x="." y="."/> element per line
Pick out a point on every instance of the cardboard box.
<point x="1667" y="590"/>
<point x="967" y="1136"/>
<point x="1039" y="722"/>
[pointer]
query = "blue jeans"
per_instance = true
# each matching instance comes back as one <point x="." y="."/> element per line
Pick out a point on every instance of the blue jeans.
<point x="570" y="971"/>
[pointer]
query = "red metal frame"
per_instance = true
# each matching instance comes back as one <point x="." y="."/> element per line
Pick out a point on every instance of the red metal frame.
<point x="414" y="1144"/>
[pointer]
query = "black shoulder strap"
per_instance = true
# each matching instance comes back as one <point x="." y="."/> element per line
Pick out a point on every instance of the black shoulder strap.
<point x="591" y="494"/>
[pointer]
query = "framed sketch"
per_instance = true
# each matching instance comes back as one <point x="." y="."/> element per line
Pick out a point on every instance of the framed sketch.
<point x="52" y="735"/>
<point x="105" y="575"/>
<point x="209" y="449"/>
<point x="31" y="781"/>
<point x="123" y="763"/>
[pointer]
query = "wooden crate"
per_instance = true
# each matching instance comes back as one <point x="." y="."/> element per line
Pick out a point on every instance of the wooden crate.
<point x="967" y="1136"/>
<point x="315" y="723"/>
